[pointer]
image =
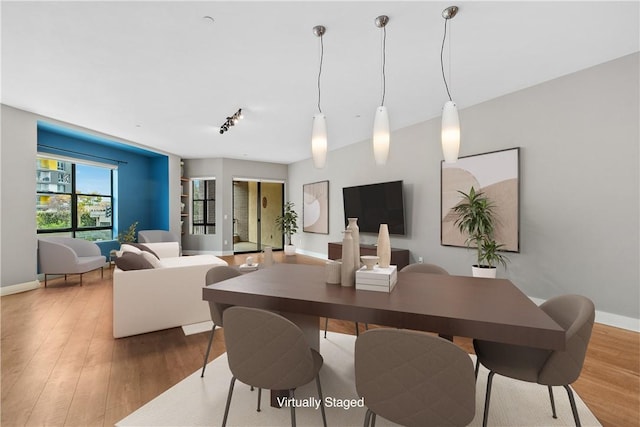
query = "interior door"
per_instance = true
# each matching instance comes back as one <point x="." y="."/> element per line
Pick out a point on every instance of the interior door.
<point x="256" y="204"/>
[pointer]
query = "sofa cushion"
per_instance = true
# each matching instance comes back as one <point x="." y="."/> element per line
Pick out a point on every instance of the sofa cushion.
<point x="132" y="261"/>
<point x="128" y="247"/>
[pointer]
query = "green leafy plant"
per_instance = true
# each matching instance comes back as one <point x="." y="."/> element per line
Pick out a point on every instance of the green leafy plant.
<point x="128" y="236"/>
<point x="476" y="220"/>
<point x="288" y="222"/>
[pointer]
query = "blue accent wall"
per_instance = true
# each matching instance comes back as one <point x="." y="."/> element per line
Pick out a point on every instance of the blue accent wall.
<point x="141" y="183"/>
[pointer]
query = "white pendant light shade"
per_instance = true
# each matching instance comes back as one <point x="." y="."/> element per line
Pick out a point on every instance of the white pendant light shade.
<point x="319" y="140"/>
<point x="381" y="135"/>
<point x="450" y="132"/>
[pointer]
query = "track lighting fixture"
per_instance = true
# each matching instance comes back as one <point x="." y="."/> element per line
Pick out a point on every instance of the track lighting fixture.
<point x="231" y="121"/>
<point x="450" y="131"/>
<point x="319" y="128"/>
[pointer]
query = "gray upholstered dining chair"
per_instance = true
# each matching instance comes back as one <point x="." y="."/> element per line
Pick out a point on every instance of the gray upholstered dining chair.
<point x="265" y="350"/>
<point x="575" y="314"/>
<point x="424" y="268"/>
<point x="215" y="275"/>
<point x="414" y="379"/>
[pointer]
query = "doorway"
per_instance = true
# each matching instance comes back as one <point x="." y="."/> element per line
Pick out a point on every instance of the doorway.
<point x="256" y="204"/>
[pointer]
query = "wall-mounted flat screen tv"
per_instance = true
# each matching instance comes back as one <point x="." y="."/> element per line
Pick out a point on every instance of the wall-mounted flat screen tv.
<point x="375" y="204"/>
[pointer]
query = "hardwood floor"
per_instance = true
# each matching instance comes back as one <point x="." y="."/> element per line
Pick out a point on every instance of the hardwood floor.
<point x="62" y="366"/>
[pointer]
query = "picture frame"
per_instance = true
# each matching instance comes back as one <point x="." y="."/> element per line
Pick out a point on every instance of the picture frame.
<point x="497" y="175"/>
<point x="315" y="207"/>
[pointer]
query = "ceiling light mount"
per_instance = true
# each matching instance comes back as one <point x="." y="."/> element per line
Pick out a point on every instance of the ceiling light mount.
<point x="450" y="12"/>
<point x="382" y="21"/>
<point x="319" y="30"/>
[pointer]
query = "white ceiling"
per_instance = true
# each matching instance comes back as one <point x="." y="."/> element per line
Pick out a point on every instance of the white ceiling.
<point x="161" y="75"/>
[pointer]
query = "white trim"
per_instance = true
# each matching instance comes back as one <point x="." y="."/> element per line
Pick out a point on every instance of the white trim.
<point x="610" y="319"/>
<point x="311" y="254"/>
<point x="44" y="155"/>
<point x="274" y="181"/>
<point x="20" y="287"/>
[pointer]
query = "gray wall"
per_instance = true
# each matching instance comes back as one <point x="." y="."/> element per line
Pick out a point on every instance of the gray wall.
<point x="18" y="256"/>
<point x="579" y="189"/>
<point x="224" y="171"/>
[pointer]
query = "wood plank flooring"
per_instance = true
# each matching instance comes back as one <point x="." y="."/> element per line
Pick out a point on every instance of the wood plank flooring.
<point x="61" y="365"/>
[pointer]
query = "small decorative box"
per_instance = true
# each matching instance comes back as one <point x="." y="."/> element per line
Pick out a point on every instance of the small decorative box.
<point x="377" y="279"/>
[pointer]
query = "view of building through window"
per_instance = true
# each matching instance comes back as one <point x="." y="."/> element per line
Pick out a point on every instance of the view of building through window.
<point x="74" y="199"/>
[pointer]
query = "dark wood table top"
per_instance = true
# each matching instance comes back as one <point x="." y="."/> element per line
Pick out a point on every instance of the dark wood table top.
<point x="488" y="309"/>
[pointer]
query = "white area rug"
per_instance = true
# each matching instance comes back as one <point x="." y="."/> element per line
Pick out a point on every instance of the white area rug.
<point x="200" y="401"/>
<point x="197" y="328"/>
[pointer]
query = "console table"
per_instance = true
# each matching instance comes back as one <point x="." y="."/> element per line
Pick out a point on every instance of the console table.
<point x="399" y="257"/>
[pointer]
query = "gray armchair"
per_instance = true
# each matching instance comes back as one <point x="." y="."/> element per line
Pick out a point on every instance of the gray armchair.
<point x="66" y="255"/>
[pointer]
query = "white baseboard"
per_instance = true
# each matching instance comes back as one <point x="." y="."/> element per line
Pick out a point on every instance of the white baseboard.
<point x="20" y="287"/>
<point x="610" y="319"/>
<point x="310" y="253"/>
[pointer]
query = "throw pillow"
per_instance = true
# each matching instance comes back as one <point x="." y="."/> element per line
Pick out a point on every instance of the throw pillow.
<point x="144" y="248"/>
<point x="127" y="247"/>
<point x="132" y="261"/>
<point x="153" y="260"/>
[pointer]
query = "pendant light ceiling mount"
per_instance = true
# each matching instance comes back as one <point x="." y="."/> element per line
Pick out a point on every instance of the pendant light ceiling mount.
<point x="382" y="21"/>
<point x="319" y="30"/>
<point x="450" y="12"/>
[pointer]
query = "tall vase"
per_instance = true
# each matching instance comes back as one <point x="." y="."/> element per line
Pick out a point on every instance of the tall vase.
<point x="355" y="235"/>
<point x="347" y="272"/>
<point x="384" y="246"/>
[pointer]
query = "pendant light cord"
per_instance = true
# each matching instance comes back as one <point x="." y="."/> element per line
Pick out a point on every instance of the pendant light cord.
<point x="441" y="60"/>
<point x="384" y="63"/>
<point x="320" y="71"/>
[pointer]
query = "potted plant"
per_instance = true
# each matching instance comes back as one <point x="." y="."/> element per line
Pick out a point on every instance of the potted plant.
<point x="288" y="224"/>
<point x="476" y="221"/>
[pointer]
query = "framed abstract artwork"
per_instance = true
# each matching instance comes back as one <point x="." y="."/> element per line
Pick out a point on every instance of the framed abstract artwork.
<point x="315" y="207"/>
<point x="497" y="175"/>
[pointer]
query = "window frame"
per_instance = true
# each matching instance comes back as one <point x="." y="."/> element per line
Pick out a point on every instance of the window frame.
<point x="74" y="196"/>
<point x="205" y="224"/>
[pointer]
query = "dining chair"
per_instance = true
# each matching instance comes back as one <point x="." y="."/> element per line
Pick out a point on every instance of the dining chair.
<point x="265" y="350"/>
<point x="215" y="275"/>
<point x="414" y="379"/>
<point x="423" y="268"/>
<point x="575" y="314"/>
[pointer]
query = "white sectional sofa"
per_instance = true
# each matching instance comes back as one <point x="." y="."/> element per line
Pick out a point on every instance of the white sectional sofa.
<point x="167" y="296"/>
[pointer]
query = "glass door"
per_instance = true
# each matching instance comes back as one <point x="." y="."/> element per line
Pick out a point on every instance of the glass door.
<point x="256" y="204"/>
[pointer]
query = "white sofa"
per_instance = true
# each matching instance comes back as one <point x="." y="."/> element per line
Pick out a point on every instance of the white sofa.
<point x="164" y="297"/>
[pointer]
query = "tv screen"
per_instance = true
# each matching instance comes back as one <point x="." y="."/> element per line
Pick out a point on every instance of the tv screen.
<point x="375" y="204"/>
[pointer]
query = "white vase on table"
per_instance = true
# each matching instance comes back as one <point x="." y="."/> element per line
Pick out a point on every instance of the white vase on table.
<point x="384" y="246"/>
<point x="355" y="235"/>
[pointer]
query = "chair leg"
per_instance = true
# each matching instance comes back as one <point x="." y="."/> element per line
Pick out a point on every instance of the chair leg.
<point x="324" y="417"/>
<point x="206" y="356"/>
<point x="259" y="397"/>
<point x="45" y="280"/>
<point x="292" y="395"/>
<point x="226" y="408"/>
<point x="367" y="418"/>
<point x="487" y="399"/>
<point x="574" y="409"/>
<point x="326" y="324"/>
<point x="553" y="402"/>
<point x="102" y="272"/>
<point x="80" y="279"/>
<point x="477" y="368"/>
<point x="357" y="330"/>
<point x="373" y="420"/>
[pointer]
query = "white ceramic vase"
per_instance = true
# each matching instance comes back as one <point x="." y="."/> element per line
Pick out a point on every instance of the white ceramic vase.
<point x="347" y="272"/>
<point x="333" y="272"/>
<point x="384" y="246"/>
<point x="355" y="235"/>
<point x="267" y="256"/>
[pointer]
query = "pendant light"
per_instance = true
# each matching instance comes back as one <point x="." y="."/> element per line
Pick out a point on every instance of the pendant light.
<point x="319" y="128"/>
<point x="450" y="131"/>
<point x="381" y="119"/>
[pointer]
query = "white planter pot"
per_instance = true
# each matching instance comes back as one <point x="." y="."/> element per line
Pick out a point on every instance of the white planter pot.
<point x="488" y="272"/>
<point x="289" y="250"/>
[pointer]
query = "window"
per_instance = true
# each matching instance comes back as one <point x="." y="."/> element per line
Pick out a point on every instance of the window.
<point x="74" y="199"/>
<point x="203" y="212"/>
